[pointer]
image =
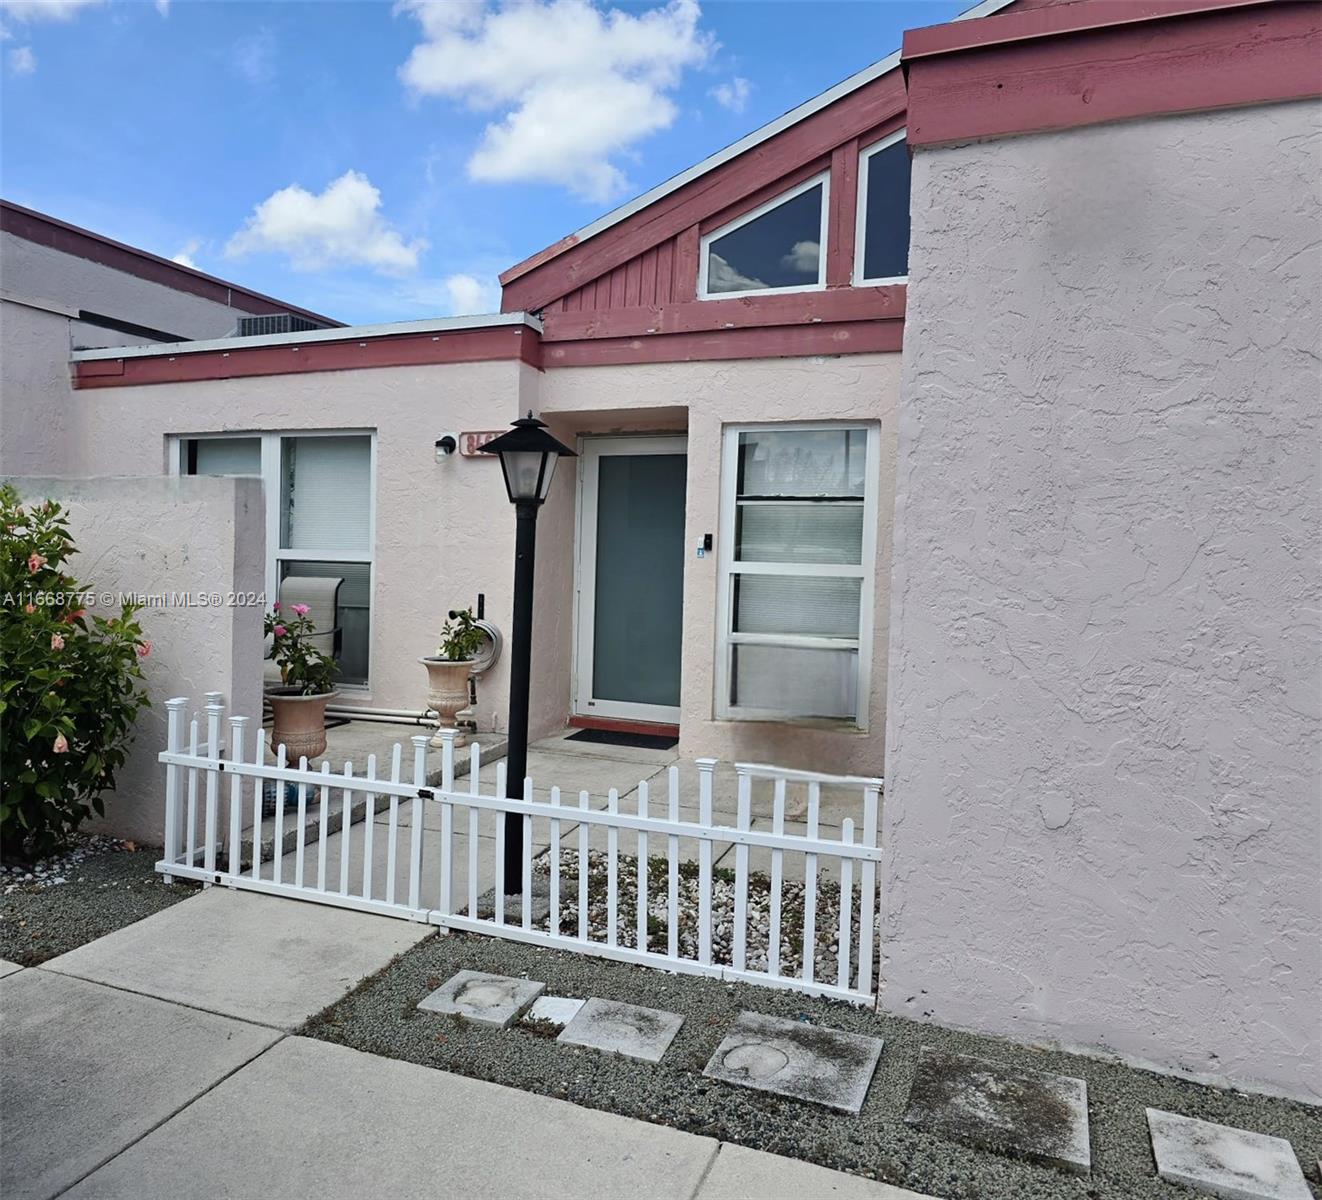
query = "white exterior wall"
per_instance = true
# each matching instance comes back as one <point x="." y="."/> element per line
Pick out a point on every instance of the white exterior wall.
<point x="1102" y="821"/>
<point x="716" y="394"/>
<point x="36" y="399"/>
<point x="444" y="531"/>
<point x="163" y="536"/>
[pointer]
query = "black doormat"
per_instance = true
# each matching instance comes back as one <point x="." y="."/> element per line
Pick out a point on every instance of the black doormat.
<point x="612" y="737"/>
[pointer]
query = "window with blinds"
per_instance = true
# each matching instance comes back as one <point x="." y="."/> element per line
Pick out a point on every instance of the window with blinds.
<point x="799" y="518"/>
<point x="322" y="523"/>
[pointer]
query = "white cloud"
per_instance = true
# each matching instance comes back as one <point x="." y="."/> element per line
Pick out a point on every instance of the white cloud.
<point x="722" y="277"/>
<point x="163" y="7"/>
<point x="341" y="226"/>
<point x="468" y="294"/>
<point x="732" y="95"/>
<point x="804" y="257"/>
<point x="576" y="85"/>
<point x="22" y="61"/>
<point x="45" y="10"/>
<point x="253" y="57"/>
<point x="185" y="256"/>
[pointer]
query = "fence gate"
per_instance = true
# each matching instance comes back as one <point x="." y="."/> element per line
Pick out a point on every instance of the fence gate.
<point x="784" y="898"/>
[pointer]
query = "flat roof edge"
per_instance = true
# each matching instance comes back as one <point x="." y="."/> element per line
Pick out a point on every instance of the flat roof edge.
<point x="344" y="333"/>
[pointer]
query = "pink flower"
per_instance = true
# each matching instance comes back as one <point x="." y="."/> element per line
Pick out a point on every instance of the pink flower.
<point x="301" y="609"/>
<point x="61" y="745"/>
<point x="276" y="606"/>
<point x="144" y="649"/>
<point x="35" y="562"/>
<point x="29" y="608"/>
<point x="279" y="631"/>
<point x="56" y="642"/>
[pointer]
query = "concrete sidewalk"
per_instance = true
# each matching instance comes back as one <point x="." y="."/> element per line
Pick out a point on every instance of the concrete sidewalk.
<point x="157" y="1062"/>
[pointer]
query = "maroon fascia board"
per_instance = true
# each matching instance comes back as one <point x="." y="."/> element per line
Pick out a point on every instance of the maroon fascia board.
<point x="1097" y="61"/>
<point x="44" y="230"/>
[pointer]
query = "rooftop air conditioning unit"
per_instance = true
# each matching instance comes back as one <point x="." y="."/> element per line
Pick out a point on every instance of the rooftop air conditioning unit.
<point x="273" y="323"/>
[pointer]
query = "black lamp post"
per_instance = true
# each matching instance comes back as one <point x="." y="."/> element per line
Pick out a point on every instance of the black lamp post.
<point x="528" y="455"/>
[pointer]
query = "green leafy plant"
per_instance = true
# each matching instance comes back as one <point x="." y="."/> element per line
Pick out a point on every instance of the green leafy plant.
<point x="70" y="689"/>
<point x="304" y="668"/>
<point x="461" y="637"/>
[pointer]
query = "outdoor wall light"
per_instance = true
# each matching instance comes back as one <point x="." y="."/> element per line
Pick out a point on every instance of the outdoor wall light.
<point x="446" y="445"/>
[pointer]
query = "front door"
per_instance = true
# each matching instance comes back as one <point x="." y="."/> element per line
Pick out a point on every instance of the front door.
<point x="630" y="578"/>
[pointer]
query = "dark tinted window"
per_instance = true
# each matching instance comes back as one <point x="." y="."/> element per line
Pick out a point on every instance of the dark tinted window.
<point x="781" y="248"/>
<point x="886" y="232"/>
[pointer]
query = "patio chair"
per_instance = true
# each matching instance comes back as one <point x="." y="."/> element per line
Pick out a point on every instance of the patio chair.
<point x="321" y="595"/>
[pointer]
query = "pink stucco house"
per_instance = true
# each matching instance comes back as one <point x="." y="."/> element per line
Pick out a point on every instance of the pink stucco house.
<point x="959" y="424"/>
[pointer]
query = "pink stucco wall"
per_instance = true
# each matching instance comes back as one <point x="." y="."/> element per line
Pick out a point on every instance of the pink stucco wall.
<point x="169" y="538"/>
<point x="848" y="387"/>
<point x="444" y="531"/>
<point x="1104" y="747"/>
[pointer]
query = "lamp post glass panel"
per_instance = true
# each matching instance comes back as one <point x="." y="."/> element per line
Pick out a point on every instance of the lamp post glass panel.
<point x="528" y="455"/>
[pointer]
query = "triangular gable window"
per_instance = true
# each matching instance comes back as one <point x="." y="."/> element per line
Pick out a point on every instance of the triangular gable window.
<point x="778" y="247"/>
<point x="883" y="212"/>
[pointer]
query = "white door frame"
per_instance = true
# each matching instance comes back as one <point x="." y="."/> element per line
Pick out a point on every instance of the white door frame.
<point x="590" y="451"/>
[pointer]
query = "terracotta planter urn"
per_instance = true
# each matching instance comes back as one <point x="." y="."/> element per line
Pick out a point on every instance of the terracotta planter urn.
<point x="300" y="724"/>
<point x="447" y="694"/>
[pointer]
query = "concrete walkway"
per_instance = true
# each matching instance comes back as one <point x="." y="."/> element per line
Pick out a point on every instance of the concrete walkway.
<point x="158" y="1061"/>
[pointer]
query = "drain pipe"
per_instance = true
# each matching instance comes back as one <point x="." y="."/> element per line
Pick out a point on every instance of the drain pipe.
<point x="391" y="716"/>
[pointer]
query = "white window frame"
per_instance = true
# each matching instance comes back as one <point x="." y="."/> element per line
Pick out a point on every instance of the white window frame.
<point x="865" y="571"/>
<point x="272" y="483"/>
<point x="861" y="216"/>
<point x="704" y="244"/>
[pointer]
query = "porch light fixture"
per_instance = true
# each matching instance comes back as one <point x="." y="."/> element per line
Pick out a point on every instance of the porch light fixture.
<point x="528" y="455"/>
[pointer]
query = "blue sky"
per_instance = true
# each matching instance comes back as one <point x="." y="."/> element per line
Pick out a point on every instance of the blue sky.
<point x="385" y="162"/>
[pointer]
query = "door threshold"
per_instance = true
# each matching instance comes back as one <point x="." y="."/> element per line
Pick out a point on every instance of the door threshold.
<point x="618" y="725"/>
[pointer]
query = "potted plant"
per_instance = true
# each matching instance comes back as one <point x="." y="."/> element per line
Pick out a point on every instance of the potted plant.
<point x="448" y="671"/>
<point x="308" y="679"/>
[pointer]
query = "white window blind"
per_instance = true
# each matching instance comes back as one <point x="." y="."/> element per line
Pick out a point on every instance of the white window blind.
<point x="327" y="494"/>
<point x="799" y="516"/>
<point x="227" y="456"/>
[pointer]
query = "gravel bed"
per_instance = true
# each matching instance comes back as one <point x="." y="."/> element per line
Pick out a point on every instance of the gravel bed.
<point x="826" y="921"/>
<point x="380" y="1017"/>
<point x="95" y="887"/>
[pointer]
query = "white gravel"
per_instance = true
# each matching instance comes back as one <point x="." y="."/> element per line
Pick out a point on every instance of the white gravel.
<point x="827" y="923"/>
<point x="58" y="868"/>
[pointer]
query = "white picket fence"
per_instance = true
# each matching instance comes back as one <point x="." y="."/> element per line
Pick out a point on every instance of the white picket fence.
<point x="424" y="853"/>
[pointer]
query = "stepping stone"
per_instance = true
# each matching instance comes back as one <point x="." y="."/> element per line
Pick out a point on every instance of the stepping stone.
<point x="791" y="1058"/>
<point x="643" y="1033"/>
<point x="487" y="999"/>
<point x="1031" y="1114"/>
<point x="1222" y="1161"/>
<point x="554" y="1010"/>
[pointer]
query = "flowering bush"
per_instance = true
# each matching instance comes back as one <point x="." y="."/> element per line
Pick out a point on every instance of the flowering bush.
<point x="302" y="666"/>
<point x="69" y="688"/>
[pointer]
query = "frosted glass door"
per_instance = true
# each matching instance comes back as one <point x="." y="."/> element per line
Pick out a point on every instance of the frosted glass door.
<point x="631" y="621"/>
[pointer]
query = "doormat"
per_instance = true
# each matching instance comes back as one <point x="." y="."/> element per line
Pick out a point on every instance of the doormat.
<point x="612" y="737"/>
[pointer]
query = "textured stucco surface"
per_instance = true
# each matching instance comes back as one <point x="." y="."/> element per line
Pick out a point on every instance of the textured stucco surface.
<point x="850" y="387"/>
<point x="165" y="536"/>
<point x="1102" y="817"/>
<point x="444" y="531"/>
<point x="34" y="391"/>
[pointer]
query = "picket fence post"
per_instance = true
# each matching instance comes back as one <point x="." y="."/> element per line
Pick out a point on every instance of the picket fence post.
<point x="174" y="716"/>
